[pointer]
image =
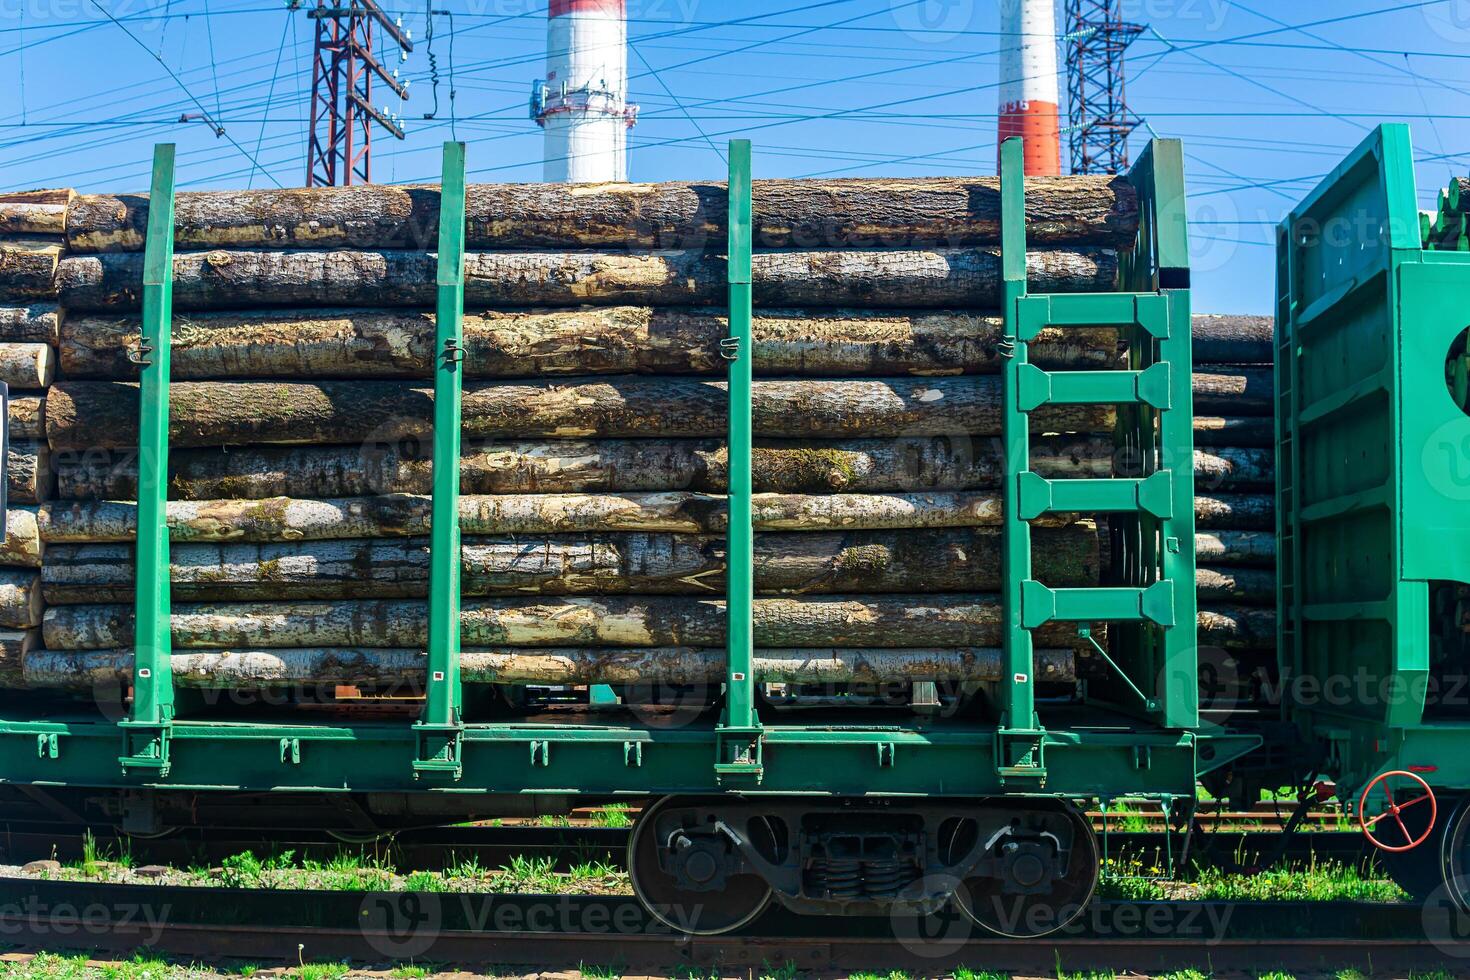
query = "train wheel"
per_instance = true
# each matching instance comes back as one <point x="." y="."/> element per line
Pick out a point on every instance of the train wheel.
<point x="672" y="833"/>
<point x="1036" y="893"/>
<point x="1455" y="857"/>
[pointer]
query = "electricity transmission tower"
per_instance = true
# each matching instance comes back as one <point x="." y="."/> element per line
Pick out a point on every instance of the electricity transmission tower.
<point x="1098" y="118"/>
<point x="343" y="117"/>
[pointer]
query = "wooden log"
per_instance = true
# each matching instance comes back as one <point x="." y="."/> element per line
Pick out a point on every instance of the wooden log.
<point x="27" y="415"/>
<point x="403" y="515"/>
<point x="247" y="670"/>
<point x="932" y="278"/>
<point x="1250" y="586"/>
<point x="590" y="340"/>
<point x="14" y="645"/>
<point x="83" y="415"/>
<point x="1240" y="511"/>
<point x="33" y="323"/>
<point x="583" y="621"/>
<point x="940" y="463"/>
<point x="40" y="212"/>
<point x="1235" y="547"/>
<point x="29" y="479"/>
<point x="26" y="365"/>
<point x="1238" y="628"/>
<point x="947" y="560"/>
<point x="28" y="269"/>
<point x="1246" y="431"/>
<point x="1234" y="391"/>
<point x="840" y="213"/>
<point x="22" y="546"/>
<point x="1232" y="338"/>
<point x="1234" y="467"/>
<point x="20" y="598"/>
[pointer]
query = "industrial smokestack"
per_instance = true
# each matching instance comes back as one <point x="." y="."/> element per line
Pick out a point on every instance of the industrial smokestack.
<point x="582" y="103"/>
<point x="1028" y="83"/>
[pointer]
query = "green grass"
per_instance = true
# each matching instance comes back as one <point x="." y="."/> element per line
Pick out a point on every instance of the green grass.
<point x="138" y="968"/>
<point x="1183" y="975"/>
<point x="1275" y="975"/>
<point x="785" y="971"/>
<point x="965" y="973"/>
<point x="95" y="858"/>
<point x="322" y="971"/>
<point x="891" y="975"/>
<point x="46" y="966"/>
<point x="612" y="815"/>
<point x="1324" y="881"/>
<point x="408" y="971"/>
<point x="591" y="971"/>
<point x="425" y="881"/>
<point x="529" y="874"/>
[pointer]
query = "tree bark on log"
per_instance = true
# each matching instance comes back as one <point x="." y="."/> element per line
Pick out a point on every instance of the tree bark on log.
<point x="247" y="670"/>
<point x="1232" y="466"/>
<point x="1236" y="547"/>
<point x="1252" y="586"/>
<point x="1234" y="391"/>
<point x="949" y="560"/>
<point x="1239" y="511"/>
<point x="403" y="515"/>
<point x="1245" y="431"/>
<point x="1232" y="339"/>
<point x="932" y="278"/>
<point x="22" y="546"/>
<point x="1238" y="628"/>
<point x="834" y="213"/>
<point x="104" y="414"/>
<point x="591" y="340"/>
<point x="20" y="598"/>
<point x="40" y="212"/>
<point x="615" y="621"/>
<point x="28" y="269"/>
<point x="27" y="415"/>
<point x="14" y="645"/>
<point x="29" y="479"/>
<point x="34" y="323"/>
<point x="938" y="463"/>
<point x="26" y="365"/>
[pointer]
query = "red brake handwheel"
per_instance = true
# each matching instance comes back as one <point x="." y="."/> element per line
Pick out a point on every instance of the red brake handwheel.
<point x="1395" y="808"/>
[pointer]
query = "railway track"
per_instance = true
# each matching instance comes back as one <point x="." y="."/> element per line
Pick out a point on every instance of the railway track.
<point x="216" y="924"/>
<point x="438" y="847"/>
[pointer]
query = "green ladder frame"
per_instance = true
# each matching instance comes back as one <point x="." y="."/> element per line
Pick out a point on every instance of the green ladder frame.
<point x="1155" y="611"/>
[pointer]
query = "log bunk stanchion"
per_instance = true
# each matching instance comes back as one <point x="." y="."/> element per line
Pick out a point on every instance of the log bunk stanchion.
<point x="1153" y="502"/>
<point x="440" y="730"/>
<point x="149" y="726"/>
<point x="739" y="737"/>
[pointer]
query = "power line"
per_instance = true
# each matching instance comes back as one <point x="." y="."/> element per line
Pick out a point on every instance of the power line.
<point x="176" y="79"/>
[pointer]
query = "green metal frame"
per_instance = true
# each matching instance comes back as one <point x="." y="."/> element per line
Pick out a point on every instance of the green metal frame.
<point x="146" y="731"/>
<point x="1372" y="476"/>
<point x="741" y="752"/>
<point x="441" y="728"/>
<point x="1154" y="612"/>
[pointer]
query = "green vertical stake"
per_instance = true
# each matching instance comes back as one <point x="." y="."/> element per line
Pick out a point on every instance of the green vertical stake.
<point x="145" y="732"/>
<point x="737" y="349"/>
<point x="1018" y="703"/>
<point x="443" y="695"/>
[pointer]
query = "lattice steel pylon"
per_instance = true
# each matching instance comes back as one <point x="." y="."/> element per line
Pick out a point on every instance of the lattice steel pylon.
<point x="1098" y="118"/>
<point x="339" y="148"/>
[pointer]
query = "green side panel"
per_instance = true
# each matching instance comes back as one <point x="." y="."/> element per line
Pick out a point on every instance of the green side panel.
<point x="1373" y="460"/>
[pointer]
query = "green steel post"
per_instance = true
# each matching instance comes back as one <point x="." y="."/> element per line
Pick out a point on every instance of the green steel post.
<point x="438" y="728"/>
<point x="1018" y="703"/>
<point x="145" y="733"/>
<point x="740" y="755"/>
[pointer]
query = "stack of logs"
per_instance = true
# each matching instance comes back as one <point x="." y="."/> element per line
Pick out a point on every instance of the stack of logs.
<point x="1235" y="504"/>
<point x="594" y="419"/>
<point x="32" y="229"/>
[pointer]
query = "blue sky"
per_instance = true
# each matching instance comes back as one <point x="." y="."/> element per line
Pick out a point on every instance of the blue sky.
<point x="1264" y="104"/>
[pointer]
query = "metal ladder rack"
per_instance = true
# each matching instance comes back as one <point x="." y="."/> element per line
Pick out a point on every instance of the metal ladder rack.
<point x="1155" y="607"/>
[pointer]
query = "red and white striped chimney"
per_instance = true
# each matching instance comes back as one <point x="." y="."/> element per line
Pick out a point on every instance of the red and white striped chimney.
<point x="582" y="104"/>
<point x="1028" y="83"/>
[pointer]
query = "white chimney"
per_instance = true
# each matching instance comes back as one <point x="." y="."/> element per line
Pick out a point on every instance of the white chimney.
<point x="582" y="104"/>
